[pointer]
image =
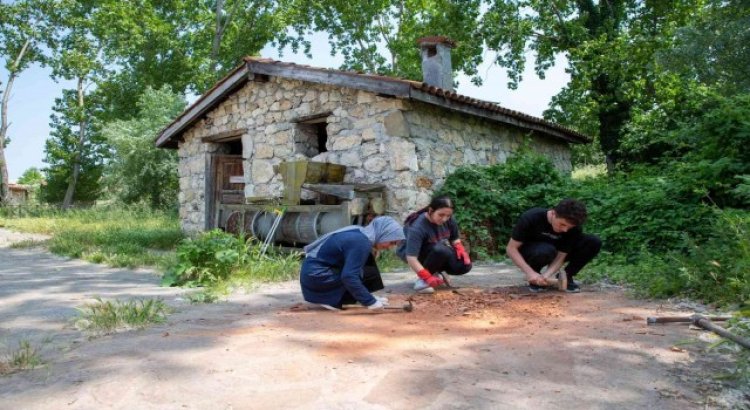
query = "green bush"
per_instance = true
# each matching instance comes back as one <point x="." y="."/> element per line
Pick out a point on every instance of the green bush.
<point x="218" y="259"/>
<point x="644" y="210"/>
<point x="490" y="199"/>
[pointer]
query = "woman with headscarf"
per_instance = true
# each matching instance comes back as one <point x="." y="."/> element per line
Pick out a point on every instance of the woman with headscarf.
<point x="339" y="268"/>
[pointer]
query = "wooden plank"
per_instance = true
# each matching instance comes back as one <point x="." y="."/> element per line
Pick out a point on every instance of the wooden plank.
<point x="289" y="208"/>
<point x="225" y="136"/>
<point x="343" y="191"/>
<point x="494" y="116"/>
<point x="380" y="85"/>
<point x="209" y="204"/>
<point x="202" y="106"/>
<point x="313" y="118"/>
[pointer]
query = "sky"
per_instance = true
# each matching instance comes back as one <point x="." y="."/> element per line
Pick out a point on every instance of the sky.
<point x="34" y="94"/>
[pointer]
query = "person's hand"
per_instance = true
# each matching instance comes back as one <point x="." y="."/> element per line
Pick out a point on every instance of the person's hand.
<point x="431" y="281"/>
<point x="378" y="305"/>
<point x="435" y="281"/>
<point x="461" y="253"/>
<point x="538" y="280"/>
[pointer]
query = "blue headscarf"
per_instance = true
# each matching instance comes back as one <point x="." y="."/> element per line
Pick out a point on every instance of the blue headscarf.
<point x="381" y="229"/>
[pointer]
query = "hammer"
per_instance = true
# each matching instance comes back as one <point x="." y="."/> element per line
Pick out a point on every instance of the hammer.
<point x="406" y="308"/>
<point x="561" y="283"/>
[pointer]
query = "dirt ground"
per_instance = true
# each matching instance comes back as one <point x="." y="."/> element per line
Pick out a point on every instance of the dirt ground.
<point x="488" y="344"/>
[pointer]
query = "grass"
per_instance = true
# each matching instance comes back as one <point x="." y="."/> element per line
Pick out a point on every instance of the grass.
<point x="118" y="237"/>
<point x="25" y="357"/>
<point x="29" y="243"/>
<point x="104" y="317"/>
<point x="388" y="261"/>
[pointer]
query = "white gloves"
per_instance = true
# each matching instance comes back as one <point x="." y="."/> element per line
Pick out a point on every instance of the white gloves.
<point x="380" y="303"/>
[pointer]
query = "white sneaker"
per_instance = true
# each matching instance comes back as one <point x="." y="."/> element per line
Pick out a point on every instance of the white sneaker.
<point x="422" y="287"/>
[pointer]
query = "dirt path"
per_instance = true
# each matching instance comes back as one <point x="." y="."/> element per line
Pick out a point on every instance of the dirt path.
<point x="487" y="346"/>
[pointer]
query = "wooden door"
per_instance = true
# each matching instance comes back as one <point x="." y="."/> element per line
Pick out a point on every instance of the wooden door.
<point x="227" y="182"/>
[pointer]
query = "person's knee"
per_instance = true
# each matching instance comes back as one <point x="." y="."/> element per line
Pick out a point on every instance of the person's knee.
<point x="464" y="269"/>
<point x="444" y="252"/>
<point x="543" y="252"/>
<point x="593" y="244"/>
<point x="538" y="254"/>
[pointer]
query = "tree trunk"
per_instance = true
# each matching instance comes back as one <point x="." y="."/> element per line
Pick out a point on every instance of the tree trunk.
<point x="218" y="33"/>
<point x="13" y="73"/>
<point x="614" y="113"/>
<point x="68" y="201"/>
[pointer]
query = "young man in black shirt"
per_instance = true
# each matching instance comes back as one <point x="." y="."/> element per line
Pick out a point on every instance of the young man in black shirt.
<point x="552" y="237"/>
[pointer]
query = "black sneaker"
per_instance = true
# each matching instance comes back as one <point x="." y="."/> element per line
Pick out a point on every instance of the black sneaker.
<point x="536" y="288"/>
<point x="573" y="287"/>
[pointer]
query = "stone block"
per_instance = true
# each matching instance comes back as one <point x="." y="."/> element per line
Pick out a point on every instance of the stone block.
<point x="341" y="143"/>
<point x="396" y="125"/>
<point x="369" y="149"/>
<point x="403" y="155"/>
<point x="375" y="164"/>
<point x="368" y="134"/>
<point x="365" y="97"/>
<point x="351" y="159"/>
<point x="263" y="151"/>
<point x="262" y="171"/>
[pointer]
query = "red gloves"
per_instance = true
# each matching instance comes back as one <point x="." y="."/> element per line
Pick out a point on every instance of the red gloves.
<point x="461" y="253"/>
<point x="427" y="277"/>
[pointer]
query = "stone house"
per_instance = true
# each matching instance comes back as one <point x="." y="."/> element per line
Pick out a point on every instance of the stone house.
<point x="405" y="135"/>
<point x="18" y="194"/>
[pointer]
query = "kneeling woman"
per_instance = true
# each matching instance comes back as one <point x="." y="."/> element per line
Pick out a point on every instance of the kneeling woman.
<point x="433" y="246"/>
<point x="339" y="268"/>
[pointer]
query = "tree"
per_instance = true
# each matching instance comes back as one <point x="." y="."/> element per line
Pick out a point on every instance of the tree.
<point x="34" y="179"/>
<point x="78" y="57"/>
<point x="714" y="48"/>
<point x="610" y="46"/>
<point x="186" y="44"/>
<point x="31" y="176"/>
<point x="138" y="171"/>
<point x="24" y="31"/>
<point x="379" y="36"/>
<point x="65" y="147"/>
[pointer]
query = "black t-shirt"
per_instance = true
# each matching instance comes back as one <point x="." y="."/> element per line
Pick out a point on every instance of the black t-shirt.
<point x="422" y="234"/>
<point x="532" y="226"/>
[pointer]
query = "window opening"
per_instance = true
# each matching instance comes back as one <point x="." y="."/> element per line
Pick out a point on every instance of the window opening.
<point x="311" y="136"/>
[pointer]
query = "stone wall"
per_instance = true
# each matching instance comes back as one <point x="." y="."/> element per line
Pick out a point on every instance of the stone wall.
<point x="408" y="146"/>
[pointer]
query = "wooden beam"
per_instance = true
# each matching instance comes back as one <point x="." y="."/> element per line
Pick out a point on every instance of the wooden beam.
<point x="313" y="117"/>
<point x="206" y="103"/>
<point x="375" y="84"/>
<point x="225" y="136"/>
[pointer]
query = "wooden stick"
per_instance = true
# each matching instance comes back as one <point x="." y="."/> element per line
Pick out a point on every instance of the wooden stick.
<point x="703" y="322"/>
<point x="673" y="319"/>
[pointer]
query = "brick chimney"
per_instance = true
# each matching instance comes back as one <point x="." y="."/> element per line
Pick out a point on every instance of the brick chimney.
<point x="436" y="61"/>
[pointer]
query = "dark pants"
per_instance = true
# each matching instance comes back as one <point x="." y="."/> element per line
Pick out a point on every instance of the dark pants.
<point x="370" y="278"/>
<point x="442" y="258"/>
<point x="540" y="254"/>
